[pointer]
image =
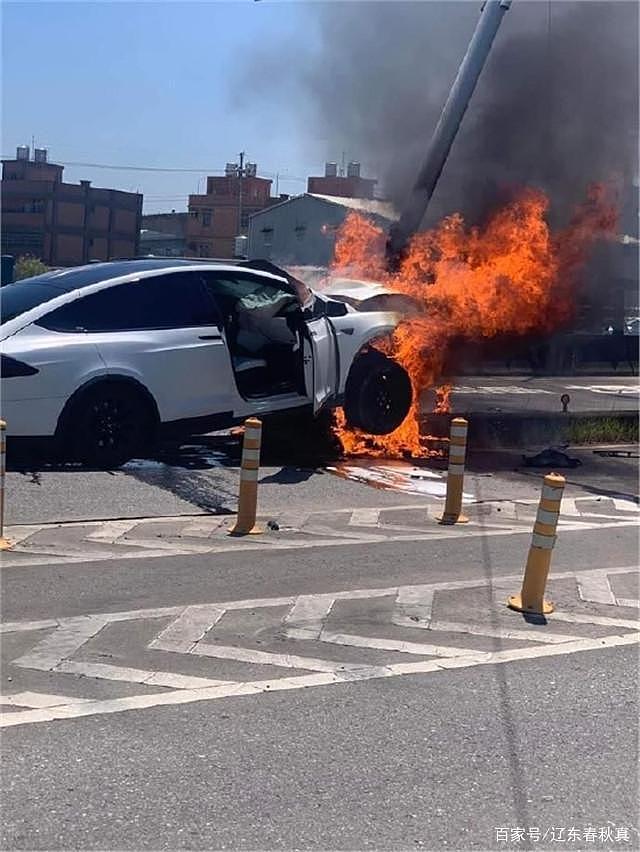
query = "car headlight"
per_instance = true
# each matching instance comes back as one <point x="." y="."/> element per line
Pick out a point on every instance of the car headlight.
<point x="10" y="368"/>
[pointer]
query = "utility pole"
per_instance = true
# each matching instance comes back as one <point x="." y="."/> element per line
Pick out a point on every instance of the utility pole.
<point x="241" y="176"/>
<point x="491" y="16"/>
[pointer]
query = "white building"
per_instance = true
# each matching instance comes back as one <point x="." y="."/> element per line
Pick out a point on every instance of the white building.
<point x="302" y="230"/>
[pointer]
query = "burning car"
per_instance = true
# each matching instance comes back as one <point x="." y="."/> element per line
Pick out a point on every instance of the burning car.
<point x="104" y="358"/>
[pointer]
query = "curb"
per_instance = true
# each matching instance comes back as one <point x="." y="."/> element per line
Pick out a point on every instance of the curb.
<point x="514" y="430"/>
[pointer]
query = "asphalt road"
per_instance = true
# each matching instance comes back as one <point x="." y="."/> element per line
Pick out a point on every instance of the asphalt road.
<point x="438" y="760"/>
<point x="529" y="393"/>
<point x="403" y="763"/>
<point x="351" y="680"/>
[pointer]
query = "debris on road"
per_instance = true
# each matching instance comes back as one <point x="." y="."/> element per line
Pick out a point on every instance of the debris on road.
<point x="551" y="457"/>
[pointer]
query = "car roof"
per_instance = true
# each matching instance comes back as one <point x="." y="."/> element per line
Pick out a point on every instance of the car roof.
<point x="94" y="276"/>
<point x="77" y="277"/>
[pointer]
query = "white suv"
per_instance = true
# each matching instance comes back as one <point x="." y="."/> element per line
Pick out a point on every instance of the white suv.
<point x="106" y="357"/>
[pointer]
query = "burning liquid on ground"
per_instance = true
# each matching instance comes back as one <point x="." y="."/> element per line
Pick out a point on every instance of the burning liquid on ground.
<point x="512" y="276"/>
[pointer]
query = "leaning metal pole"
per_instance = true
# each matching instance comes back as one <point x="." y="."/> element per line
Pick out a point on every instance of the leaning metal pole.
<point x="452" y="114"/>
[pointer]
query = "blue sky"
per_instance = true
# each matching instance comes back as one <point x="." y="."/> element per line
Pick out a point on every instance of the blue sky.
<point x="154" y="84"/>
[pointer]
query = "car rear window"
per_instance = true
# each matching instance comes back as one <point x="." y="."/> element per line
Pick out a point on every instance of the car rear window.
<point x="21" y="296"/>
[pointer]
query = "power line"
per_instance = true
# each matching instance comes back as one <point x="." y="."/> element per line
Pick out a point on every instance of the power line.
<point x="168" y="169"/>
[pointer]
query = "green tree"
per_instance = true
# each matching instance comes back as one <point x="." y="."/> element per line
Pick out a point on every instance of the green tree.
<point x="27" y="266"/>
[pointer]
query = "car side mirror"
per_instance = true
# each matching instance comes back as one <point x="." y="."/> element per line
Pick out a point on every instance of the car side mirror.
<point x="336" y="309"/>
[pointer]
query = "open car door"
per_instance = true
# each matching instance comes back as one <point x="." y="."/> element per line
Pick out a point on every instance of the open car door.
<point x="323" y="377"/>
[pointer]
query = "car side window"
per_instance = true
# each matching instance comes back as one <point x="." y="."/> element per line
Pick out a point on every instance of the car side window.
<point x="232" y="292"/>
<point x="176" y="300"/>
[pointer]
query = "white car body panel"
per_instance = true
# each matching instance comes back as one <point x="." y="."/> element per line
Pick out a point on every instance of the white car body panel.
<point x="325" y="361"/>
<point x="188" y="377"/>
<point x="31" y="405"/>
<point x="354" y="331"/>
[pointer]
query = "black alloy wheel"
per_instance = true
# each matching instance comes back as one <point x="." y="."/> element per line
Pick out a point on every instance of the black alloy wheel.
<point x="111" y="424"/>
<point x="378" y="394"/>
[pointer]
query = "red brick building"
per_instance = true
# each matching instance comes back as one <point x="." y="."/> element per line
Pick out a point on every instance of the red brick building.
<point x="64" y="224"/>
<point x="350" y="185"/>
<point x="220" y="215"/>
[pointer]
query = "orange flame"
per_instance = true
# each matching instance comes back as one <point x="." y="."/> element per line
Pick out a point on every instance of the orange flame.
<point x="512" y="276"/>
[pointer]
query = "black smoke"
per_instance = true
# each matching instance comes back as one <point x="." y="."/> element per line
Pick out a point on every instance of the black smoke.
<point x="556" y="105"/>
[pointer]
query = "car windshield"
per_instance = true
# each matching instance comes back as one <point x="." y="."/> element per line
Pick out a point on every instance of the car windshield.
<point x="21" y="296"/>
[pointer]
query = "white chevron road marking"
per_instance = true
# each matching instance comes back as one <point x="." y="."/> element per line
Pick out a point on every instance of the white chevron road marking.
<point x="39" y="700"/>
<point x="188" y="628"/>
<point x="306" y="619"/>
<point x="364" y="518"/>
<point x="78" y="709"/>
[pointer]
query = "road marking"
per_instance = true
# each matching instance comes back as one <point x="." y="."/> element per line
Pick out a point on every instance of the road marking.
<point x="190" y="626"/>
<point x="620" y="390"/>
<point x="131" y="675"/>
<point x="594" y="587"/>
<point x="625" y="505"/>
<point x="39" y="700"/>
<point x="305" y="619"/>
<point x="204" y="528"/>
<point x="75" y="709"/>
<point x="111" y="531"/>
<point x="569" y="507"/>
<point x="413" y="607"/>
<point x="630" y="602"/>
<point x="137" y="548"/>
<point x="70" y="635"/>
<point x="364" y="518"/>
<point x="266" y="658"/>
<point x="587" y="618"/>
<point x="421" y="649"/>
<point x="169" y="547"/>
<point x="498" y="390"/>
<point x="19" y="626"/>
<point x="499" y="632"/>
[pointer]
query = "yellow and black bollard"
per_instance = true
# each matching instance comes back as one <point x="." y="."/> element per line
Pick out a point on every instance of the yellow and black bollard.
<point x="452" y="513"/>
<point x="531" y="598"/>
<point x="248" y="499"/>
<point x="4" y="543"/>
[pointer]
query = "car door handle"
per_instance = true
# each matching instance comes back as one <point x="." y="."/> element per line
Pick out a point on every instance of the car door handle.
<point x="210" y="337"/>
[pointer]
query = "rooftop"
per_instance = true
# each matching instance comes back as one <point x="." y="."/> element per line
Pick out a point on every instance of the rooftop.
<point x="374" y="207"/>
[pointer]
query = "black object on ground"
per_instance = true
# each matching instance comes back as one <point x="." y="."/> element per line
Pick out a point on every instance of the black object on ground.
<point x="551" y="457"/>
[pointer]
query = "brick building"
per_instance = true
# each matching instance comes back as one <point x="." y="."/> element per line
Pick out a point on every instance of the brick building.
<point x="214" y="218"/>
<point x="64" y="224"/>
<point x="166" y="223"/>
<point x="350" y="185"/>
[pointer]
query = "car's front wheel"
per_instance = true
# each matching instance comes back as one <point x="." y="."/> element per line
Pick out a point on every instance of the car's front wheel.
<point x="108" y="425"/>
<point x="378" y="394"/>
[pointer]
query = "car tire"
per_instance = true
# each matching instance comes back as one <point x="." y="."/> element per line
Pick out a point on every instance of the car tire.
<point x="378" y="394"/>
<point x="109" y="424"/>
